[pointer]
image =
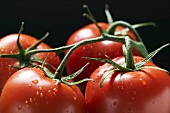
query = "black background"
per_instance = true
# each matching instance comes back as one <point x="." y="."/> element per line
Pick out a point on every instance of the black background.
<point x="62" y="17"/>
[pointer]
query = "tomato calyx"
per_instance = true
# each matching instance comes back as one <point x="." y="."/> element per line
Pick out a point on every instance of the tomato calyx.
<point x="129" y="65"/>
<point x="22" y="56"/>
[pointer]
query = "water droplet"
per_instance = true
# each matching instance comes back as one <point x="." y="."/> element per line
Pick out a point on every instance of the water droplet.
<point x="133" y="98"/>
<point x="153" y="102"/>
<point x="55" y="89"/>
<point x="129" y="110"/>
<point x="19" y="107"/>
<point x="35" y="81"/>
<point x="114" y="103"/>
<point x="143" y="81"/>
<point x="26" y="102"/>
<point x="41" y="95"/>
<point x="40" y="88"/>
<point x="134" y="92"/>
<point x="31" y="100"/>
<point x="122" y="87"/>
<point x="37" y="93"/>
<point x="74" y="98"/>
<point x="50" y="93"/>
<point x="29" y="85"/>
<point x="84" y="48"/>
<point x="54" y="93"/>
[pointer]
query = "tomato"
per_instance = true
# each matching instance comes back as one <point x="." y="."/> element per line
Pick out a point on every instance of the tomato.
<point x="142" y="91"/>
<point x="99" y="49"/>
<point x="8" y="46"/>
<point x="29" y="90"/>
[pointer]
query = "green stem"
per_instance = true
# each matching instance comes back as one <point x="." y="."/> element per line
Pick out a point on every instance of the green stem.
<point x="57" y="50"/>
<point x="113" y="26"/>
<point x="20" y="48"/>
<point x="139" y="46"/>
<point x="144" y="24"/>
<point x="38" y="43"/>
<point x="108" y="15"/>
<point x="60" y="68"/>
<point x="129" y="57"/>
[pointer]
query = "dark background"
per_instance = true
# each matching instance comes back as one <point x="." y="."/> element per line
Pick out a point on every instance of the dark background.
<point x="62" y="17"/>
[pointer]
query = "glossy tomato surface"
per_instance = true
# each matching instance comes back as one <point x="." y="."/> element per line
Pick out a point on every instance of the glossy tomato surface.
<point x="8" y="46"/>
<point x="99" y="49"/>
<point x="143" y="91"/>
<point x="29" y="90"/>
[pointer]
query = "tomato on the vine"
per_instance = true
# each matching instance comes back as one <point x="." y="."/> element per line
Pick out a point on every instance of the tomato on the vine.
<point x="145" y="90"/>
<point x="29" y="90"/>
<point x="8" y="45"/>
<point x="98" y="49"/>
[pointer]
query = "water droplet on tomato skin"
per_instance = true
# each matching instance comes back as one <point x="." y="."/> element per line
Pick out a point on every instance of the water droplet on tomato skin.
<point x="143" y="81"/>
<point x="129" y="110"/>
<point x="153" y="102"/>
<point x="29" y="85"/>
<point x="41" y="95"/>
<point x="35" y="81"/>
<point x="114" y="103"/>
<point x="40" y="88"/>
<point x="19" y="107"/>
<point x="26" y="103"/>
<point x="74" y="98"/>
<point x="54" y="93"/>
<point x="55" y="89"/>
<point x="37" y="93"/>
<point x="31" y="100"/>
<point x="134" y="92"/>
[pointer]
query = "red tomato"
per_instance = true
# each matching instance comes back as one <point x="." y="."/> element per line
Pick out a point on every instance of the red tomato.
<point x="99" y="49"/>
<point x="29" y="90"/>
<point x="143" y="91"/>
<point x="8" y="46"/>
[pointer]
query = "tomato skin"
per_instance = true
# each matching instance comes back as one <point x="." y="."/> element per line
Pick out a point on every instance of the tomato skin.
<point x="29" y="90"/>
<point x="143" y="91"/>
<point x="8" y="46"/>
<point x="99" y="49"/>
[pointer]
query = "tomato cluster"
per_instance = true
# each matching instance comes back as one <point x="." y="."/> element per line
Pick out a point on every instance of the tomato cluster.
<point x="109" y="71"/>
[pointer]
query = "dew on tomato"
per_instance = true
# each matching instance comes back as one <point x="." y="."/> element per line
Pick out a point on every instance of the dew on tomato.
<point x="139" y="91"/>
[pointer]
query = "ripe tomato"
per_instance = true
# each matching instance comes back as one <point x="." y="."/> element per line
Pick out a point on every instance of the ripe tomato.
<point x="8" y="46"/>
<point x="29" y="90"/>
<point x="99" y="49"/>
<point x="143" y="91"/>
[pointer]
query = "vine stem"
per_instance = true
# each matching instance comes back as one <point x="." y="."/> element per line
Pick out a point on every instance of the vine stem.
<point x="128" y="54"/>
<point x="113" y="26"/>
<point x="60" y="68"/>
<point x="103" y="37"/>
